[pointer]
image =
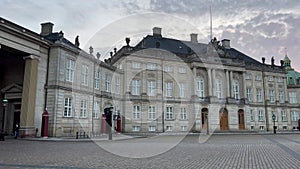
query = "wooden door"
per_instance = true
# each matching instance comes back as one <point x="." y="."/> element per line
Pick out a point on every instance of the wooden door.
<point x="224" y="120"/>
<point x="241" y="119"/>
<point x="203" y="119"/>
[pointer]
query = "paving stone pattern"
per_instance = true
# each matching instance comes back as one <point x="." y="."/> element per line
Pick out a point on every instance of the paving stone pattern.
<point x="220" y="151"/>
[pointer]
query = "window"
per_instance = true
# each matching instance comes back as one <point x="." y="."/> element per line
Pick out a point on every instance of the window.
<point x="283" y="116"/>
<point x="261" y="128"/>
<point x="270" y="78"/>
<point x="136" y="128"/>
<point x="68" y="107"/>
<point x="136" y="114"/>
<point x="168" y="68"/>
<point x="96" y="110"/>
<point x="182" y="69"/>
<point x="83" y="108"/>
<point x="108" y="83"/>
<point x="272" y="96"/>
<point x="70" y="70"/>
<point x="183" y="114"/>
<point x="248" y="76"/>
<point x="97" y="79"/>
<point x="252" y="127"/>
<point x="280" y="80"/>
<point x="281" y="96"/>
<point x="136" y="87"/>
<point x="251" y="115"/>
<point x="236" y="94"/>
<point x="85" y="75"/>
<point x="295" y="116"/>
<point x="183" y="128"/>
<point x="169" y="113"/>
<point x="151" y="66"/>
<point x="169" y="128"/>
<point x="169" y="89"/>
<point x="136" y="65"/>
<point x="197" y="111"/>
<point x="249" y="94"/>
<point x="260" y="115"/>
<point x="259" y="95"/>
<point x="118" y="85"/>
<point x="151" y="88"/>
<point x="182" y="90"/>
<point x="219" y="88"/>
<point x="258" y="77"/>
<point x="293" y="97"/>
<point x="151" y="128"/>
<point x="284" y="127"/>
<point x="274" y="113"/>
<point x="151" y="112"/>
<point x="200" y="87"/>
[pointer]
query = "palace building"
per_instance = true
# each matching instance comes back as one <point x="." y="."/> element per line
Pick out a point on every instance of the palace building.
<point x="159" y="85"/>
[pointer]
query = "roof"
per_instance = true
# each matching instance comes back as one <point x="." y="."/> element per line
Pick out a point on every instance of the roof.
<point x="293" y="77"/>
<point x="57" y="36"/>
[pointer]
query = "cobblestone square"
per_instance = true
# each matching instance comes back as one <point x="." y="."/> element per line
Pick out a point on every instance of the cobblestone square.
<point x="219" y="151"/>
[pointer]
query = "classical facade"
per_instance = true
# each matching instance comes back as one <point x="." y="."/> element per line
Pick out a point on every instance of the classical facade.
<point x="173" y="85"/>
<point x="159" y="85"/>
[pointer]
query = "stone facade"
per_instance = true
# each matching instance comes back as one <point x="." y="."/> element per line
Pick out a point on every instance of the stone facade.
<point x="159" y="85"/>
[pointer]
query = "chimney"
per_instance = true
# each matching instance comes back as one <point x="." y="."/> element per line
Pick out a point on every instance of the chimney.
<point x="226" y="43"/>
<point x="46" y="28"/>
<point x="157" y="32"/>
<point x="194" y="38"/>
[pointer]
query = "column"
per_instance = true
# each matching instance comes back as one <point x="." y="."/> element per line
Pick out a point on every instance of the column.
<point x="228" y="84"/>
<point x="194" y="81"/>
<point x="286" y="97"/>
<point x="244" y="86"/>
<point x="209" y="82"/>
<point x="213" y="82"/>
<point x="29" y="95"/>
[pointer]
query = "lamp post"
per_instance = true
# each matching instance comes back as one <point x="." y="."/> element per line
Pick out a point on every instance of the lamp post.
<point x="274" y="127"/>
<point x="4" y="103"/>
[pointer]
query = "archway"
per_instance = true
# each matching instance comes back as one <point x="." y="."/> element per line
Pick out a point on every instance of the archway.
<point x="223" y="119"/>
<point x="241" y="119"/>
<point x="204" y="111"/>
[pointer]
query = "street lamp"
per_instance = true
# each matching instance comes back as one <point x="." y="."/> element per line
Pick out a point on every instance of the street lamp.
<point x="274" y="127"/>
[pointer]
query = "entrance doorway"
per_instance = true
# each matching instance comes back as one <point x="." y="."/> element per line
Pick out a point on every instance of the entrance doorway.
<point x="224" y="119"/>
<point x="241" y="119"/>
<point x="204" y="111"/>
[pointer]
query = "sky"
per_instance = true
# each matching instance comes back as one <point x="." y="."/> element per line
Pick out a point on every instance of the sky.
<point x="258" y="28"/>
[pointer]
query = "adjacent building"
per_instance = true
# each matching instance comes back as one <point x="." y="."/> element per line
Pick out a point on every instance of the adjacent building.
<point x="158" y="85"/>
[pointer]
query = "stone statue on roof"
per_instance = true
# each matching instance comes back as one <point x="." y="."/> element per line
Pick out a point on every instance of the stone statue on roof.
<point x="77" y="41"/>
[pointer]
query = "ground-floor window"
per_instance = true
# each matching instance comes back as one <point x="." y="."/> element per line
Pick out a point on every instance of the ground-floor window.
<point x="284" y="127"/>
<point x="136" y="128"/>
<point x="151" y="128"/>
<point x="169" y="128"/>
<point x="261" y="127"/>
<point x="183" y="128"/>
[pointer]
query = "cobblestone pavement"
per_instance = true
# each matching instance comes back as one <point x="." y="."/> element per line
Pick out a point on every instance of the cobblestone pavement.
<point x="220" y="151"/>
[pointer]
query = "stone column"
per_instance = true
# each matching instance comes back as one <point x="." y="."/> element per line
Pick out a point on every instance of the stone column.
<point x="286" y="98"/>
<point x="29" y="95"/>
<point x="209" y="87"/>
<point x="227" y="84"/>
<point x="244" y="86"/>
<point x="231" y="82"/>
<point x="213" y="87"/>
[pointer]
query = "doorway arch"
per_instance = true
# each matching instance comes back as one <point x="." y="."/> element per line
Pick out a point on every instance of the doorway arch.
<point x="204" y="111"/>
<point x="241" y="118"/>
<point x="223" y="119"/>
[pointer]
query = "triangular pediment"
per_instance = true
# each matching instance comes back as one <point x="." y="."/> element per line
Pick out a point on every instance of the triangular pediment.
<point x="13" y="88"/>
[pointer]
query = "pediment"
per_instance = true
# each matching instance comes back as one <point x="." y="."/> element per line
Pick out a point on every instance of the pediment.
<point x="13" y="88"/>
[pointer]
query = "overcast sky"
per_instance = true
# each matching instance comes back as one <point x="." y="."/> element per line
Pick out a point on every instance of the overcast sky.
<point x="258" y="28"/>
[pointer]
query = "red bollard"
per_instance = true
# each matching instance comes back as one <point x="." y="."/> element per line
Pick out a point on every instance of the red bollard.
<point x="118" y="124"/>
<point x="103" y="124"/>
<point x="45" y="119"/>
